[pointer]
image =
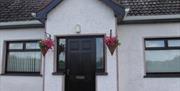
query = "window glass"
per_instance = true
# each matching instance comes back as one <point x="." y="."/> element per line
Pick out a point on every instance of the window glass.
<point x="33" y="45"/>
<point x="162" y="60"/>
<point x="61" y="54"/>
<point x="99" y="54"/>
<point x="174" y="43"/>
<point x="15" y="45"/>
<point x="21" y="60"/>
<point x="154" y="43"/>
<point x="24" y="62"/>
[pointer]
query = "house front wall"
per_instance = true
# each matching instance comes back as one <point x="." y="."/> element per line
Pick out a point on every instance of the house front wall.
<point x="18" y="83"/>
<point x="131" y="57"/>
<point x="95" y="18"/>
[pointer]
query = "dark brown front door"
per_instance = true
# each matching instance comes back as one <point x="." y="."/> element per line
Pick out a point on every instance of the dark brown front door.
<point x="80" y="66"/>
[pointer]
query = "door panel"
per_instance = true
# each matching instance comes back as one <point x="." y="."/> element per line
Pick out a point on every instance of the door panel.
<point x="80" y="65"/>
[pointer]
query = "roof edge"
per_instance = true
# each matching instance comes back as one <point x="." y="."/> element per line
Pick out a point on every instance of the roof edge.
<point x="151" y="17"/>
<point x="21" y="24"/>
<point x="150" y="21"/>
<point x="42" y="14"/>
<point x="119" y="10"/>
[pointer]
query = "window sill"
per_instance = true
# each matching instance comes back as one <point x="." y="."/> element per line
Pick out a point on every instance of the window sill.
<point x="21" y="74"/>
<point x="62" y="73"/>
<point x="162" y="75"/>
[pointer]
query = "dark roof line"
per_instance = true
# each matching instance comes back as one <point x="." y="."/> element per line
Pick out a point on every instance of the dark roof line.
<point x="42" y="14"/>
<point x="22" y="26"/>
<point x="150" y="21"/>
<point x="119" y="10"/>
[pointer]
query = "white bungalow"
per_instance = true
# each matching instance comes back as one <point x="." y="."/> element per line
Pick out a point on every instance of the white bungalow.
<point x="148" y="58"/>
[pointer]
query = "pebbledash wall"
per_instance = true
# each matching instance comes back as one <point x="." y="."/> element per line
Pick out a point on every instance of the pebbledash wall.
<point x="18" y="83"/>
<point x="95" y="18"/>
<point x="131" y="57"/>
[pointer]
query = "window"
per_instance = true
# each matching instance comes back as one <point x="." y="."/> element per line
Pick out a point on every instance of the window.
<point x="23" y="57"/>
<point x="61" y="54"/>
<point x="100" y="61"/>
<point x="100" y="52"/>
<point x="162" y="56"/>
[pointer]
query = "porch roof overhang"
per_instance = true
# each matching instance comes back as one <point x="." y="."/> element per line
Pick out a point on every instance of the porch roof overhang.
<point x="119" y="10"/>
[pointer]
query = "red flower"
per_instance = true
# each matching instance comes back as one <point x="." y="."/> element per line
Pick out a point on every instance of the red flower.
<point x="45" y="45"/>
<point x="111" y="41"/>
<point x="48" y="42"/>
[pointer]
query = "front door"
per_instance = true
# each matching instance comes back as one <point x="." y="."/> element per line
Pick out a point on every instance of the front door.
<point x="81" y="64"/>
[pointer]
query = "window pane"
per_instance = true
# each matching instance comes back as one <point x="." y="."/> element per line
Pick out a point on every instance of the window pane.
<point x="33" y="45"/>
<point x="163" y="61"/>
<point x="24" y="62"/>
<point x="99" y="53"/>
<point x="15" y="45"/>
<point x="61" y="54"/>
<point x="155" y="43"/>
<point x="173" y="43"/>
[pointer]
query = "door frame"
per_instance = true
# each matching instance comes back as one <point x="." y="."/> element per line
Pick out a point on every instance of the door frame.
<point x="80" y="36"/>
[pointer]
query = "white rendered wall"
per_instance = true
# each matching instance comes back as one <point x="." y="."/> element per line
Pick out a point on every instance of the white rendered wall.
<point x="95" y="18"/>
<point x="131" y="57"/>
<point x="19" y="83"/>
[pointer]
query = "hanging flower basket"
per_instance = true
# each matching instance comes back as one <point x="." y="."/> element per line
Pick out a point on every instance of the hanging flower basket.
<point x="112" y="43"/>
<point x="45" y="45"/>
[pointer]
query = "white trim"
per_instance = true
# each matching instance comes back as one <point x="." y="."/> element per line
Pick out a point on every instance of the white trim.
<point x="151" y="17"/>
<point x="20" y="23"/>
